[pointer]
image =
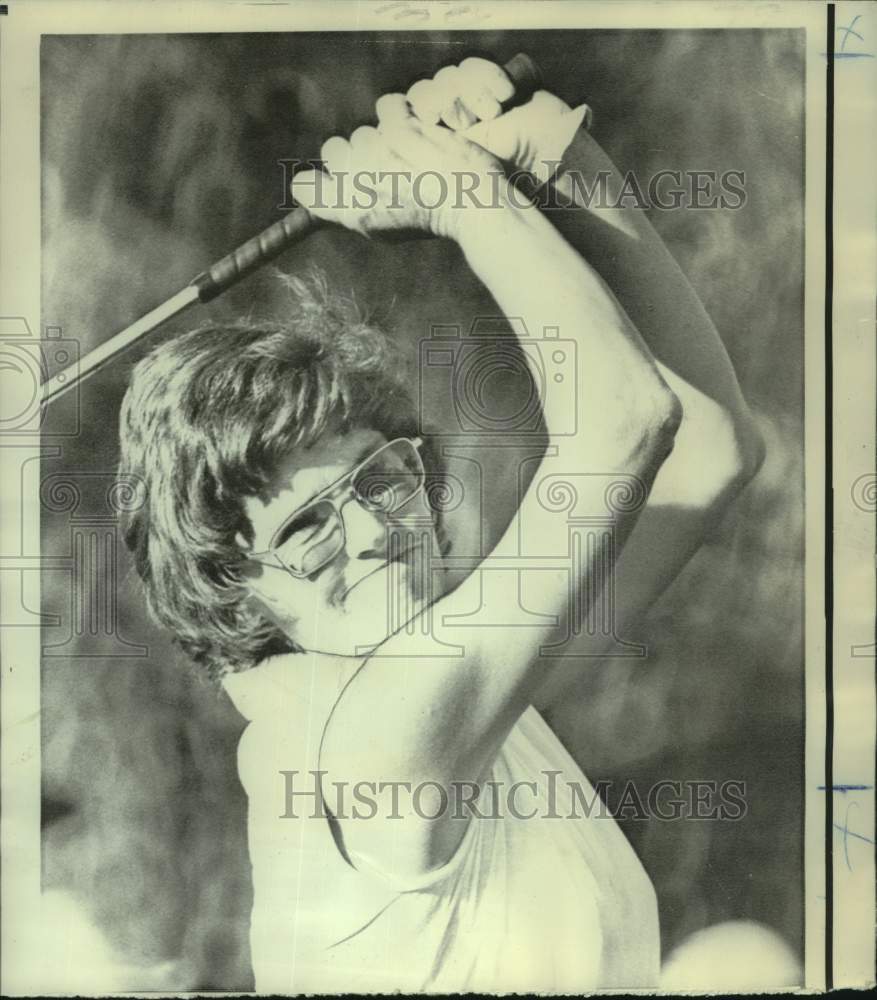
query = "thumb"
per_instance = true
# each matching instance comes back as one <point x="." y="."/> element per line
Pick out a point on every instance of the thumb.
<point x="500" y="136"/>
<point x="532" y="136"/>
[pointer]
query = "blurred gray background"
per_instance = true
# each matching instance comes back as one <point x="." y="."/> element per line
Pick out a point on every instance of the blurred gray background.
<point x="159" y="154"/>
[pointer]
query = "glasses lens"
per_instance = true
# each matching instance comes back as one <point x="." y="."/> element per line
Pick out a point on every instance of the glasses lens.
<point x="390" y="478"/>
<point x="310" y="539"/>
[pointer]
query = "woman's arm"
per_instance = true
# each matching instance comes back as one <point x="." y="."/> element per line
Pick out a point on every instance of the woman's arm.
<point x="410" y="718"/>
<point x="718" y="448"/>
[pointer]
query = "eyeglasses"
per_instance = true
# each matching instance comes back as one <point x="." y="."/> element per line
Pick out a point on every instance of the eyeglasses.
<point x="313" y="535"/>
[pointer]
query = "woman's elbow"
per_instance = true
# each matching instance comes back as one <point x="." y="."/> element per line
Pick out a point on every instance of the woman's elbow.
<point x="659" y="421"/>
<point x="635" y="429"/>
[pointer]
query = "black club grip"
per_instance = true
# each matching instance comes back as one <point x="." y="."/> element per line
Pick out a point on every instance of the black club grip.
<point x="256" y="251"/>
<point x="521" y="70"/>
<point x="525" y="75"/>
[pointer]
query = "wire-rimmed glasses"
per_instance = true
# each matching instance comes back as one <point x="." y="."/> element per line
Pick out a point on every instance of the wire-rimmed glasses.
<point x="313" y="535"/>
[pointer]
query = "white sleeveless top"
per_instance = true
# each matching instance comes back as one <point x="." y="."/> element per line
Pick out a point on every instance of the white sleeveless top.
<point x="548" y="904"/>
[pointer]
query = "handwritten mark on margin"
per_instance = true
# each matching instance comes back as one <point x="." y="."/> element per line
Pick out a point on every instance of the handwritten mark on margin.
<point x="843" y="52"/>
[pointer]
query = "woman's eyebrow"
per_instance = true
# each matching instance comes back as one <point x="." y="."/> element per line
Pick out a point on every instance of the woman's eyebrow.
<point x="360" y="457"/>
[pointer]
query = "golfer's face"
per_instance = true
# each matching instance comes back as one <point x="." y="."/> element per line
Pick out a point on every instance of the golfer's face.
<point x="342" y="562"/>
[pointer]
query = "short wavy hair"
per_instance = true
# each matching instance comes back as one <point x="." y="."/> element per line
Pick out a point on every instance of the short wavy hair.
<point x="205" y="422"/>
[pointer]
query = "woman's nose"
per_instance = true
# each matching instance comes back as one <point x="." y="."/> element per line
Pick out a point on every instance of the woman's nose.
<point x="365" y="532"/>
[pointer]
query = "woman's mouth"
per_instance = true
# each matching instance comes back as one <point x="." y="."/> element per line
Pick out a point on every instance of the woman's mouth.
<point x="399" y="568"/>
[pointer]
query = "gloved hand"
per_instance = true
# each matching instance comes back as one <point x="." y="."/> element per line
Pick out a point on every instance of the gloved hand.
<point x="468" y="99"/>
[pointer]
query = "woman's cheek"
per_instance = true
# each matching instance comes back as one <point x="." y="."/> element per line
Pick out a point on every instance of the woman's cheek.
<point x="281" y="597"/>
